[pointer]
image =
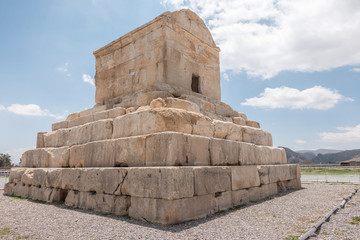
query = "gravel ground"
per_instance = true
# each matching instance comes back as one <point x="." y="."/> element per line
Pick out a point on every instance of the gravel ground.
<point x="345" y="224"/>
<point x="284" y="216"/>
<point x="331" y="178"/>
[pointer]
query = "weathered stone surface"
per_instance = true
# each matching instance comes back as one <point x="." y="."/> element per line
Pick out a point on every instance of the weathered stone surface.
<point x="159" y="182"/>
<point x="70" y="179"/>
<point x="212" y="180"/>
<point x="58" y="157"/>
<point x="27" y="177"/>
<point x="72" y="116"/>
<point x="199" y="152"/>
<point x="116" y="112"/>
<point x="239" y="197"/>
<point x="112" y="180"/>
<point x="72" y="199"/>
<point x="239" y="121"/>
<point x="244" y="177"/>
<point x="35" y="158"/>
<point x="39" y="177"/>
<point x="40" y="140"/>
<point x="16" y="174"/>
<point x="59" y="125"/>
<point x="129" y="152"/>
<point x="224" y="152"/>
<point x="121" y="205"/>
<point x="252" y="124"/>
<point x="246" y="153"/>
<point x="80" y="121"/>
<point x="53" y="178"/>
<point x="165" y="212"/>
<point x="181" y="104"/>
<point x="222" y="201"/>
<point x="226" y="130"/>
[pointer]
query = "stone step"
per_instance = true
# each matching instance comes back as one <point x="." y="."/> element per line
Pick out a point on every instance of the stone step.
<point x="154" y="120"/>
<point x="163" y="195"/>
<point x="160" y="149"/>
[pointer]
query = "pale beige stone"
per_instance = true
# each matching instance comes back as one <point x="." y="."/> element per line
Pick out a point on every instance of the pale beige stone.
<point x="157" y="103"/>
<point x="57" y="138"/>
<point x="80" y="121"/>
<point x="112" y="180"/>
<point x="53" y="178"/>
<point x="39" y="177"/>
<point x="224" y="109"/>
<point x="105" y="203"/>
<point x="128" y="152"/>
<point x="222" y="201"/>
<point x="159" y="182"/>
<point x="199" y="151"/>
<point x="40" y="140"/>
<point x="295" y="172"/>
<point x="244" y="177"/>
<point x="116" y="112"/>
<point x="35" y="158"/>
<point x="227" y="130"/>
<point x="254" y="135"/>
<point x="279" y="173"/>
<point x="101" y="115"/>
<point x="172" y="149"/>
<point x="239" y="197"/>
<point x="212" y="180"/>
<point x="243" y="115"/>
<point x="70" y="179"/>
<point x="252" y="124"/>
<point x="121" y="205"/>
<point x="263" y="155"/>
<point x="9" y="188"/>
<point x="293" y="183"/>
<point x="239" y="121"/>
<point x="59" y="125"/>
<point x="58" y="157"/>
<point x="72" y="199"/>
<point x="37" y="193"/>
<point x="246" y="153"/>
<point x="202" y="125"/>
<point x="91" y="180"/>
<point x="254" y="193"/>
<point x="263" y="174"/>
<point x="27" y="177"/>
<point x="93" y="110"/>
<point x="224" y="152"/>
<point x="152" y="121"/>
<point x="165" y="212"/>
<point x="72" y="116"/>
<point x="268" y="190"/>
<point x="181" y="104"/>
<point x="16" y="174"/>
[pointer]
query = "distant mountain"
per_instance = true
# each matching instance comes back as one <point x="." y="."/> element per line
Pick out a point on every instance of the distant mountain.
<point x="294" y="157"/>
<point x="336" y="157"/>
<point x="321" y="151"/>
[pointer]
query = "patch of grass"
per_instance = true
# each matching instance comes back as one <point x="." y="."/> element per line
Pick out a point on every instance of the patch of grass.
<point x="5" y="231"/>
<point x="355" y="221"/>
<point x="330" y="171"/>
<point x="292" y="237"/>
<point x="19" y="198"/>
<point x="325" y="233"/>
<point x="38" y="201"/>
<point x="126" y="216"/>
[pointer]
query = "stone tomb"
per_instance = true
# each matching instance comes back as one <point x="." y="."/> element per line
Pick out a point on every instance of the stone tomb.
<point x="158" y="145"/>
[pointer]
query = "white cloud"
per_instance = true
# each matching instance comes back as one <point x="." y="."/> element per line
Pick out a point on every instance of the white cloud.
<point x="316" y="97"/>
<point x="64" y="69"/>
<point x="88" y="79"/>
<point x="32" y="110"/>
<point x="2" y="107"/>
<point x="355" y="69"/>
<point x="265" y="37"/>
<point x="299" y="141"/>
<point x="226" y="77"/>
<point x="348" y="134"/>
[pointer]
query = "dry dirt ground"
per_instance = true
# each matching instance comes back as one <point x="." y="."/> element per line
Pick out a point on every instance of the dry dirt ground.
<point x="284" y="216"/>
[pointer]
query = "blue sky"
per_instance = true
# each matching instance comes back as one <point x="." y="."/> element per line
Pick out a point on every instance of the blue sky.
<point x="293" y="66"/>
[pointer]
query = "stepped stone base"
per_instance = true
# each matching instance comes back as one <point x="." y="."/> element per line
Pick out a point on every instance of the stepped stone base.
<point x="161" y="195"/>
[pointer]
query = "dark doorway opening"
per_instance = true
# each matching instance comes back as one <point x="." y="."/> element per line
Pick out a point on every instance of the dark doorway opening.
<point x="195" y="81"/>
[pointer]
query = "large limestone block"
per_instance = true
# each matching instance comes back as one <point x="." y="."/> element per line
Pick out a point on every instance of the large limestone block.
<point x="225" y="110"/>
<point x="239" y="121"/>
<point x="27" y="177"/>
<point x="16" y="174"/>
<point x="70" y="179"/>
<point x="80" y="120"/>
<point x="40" y="140"/>
<point x="226" y="130"/>
<point x="222" y="201"/>
<point x="112" y="180"/>
<point x="93" y="154"/>
<point x="39" y="177"/>
<point x="159" y="182"/>
<point x="37" y="193"/>
<point x="224" y="152"/>
<point x="205" y="106"/>
<point x="202" y="125"/>
<point x="94" y="131"/>
<point x="91" y="180"/>
<point x="279" y="173"/>
<point x="165" y="212"/>
<point x="212" y="180"/>
<point x="239" y="197"/>
<point x="93" y="110"/>
<point x="152" y="121"/>
<point x="105" y="203"/>
<point x="181" y="104"/>
<point x="59" y="157"/>
<point x="263" y="155"/>
<point x="256" y="136"/>
<point x="247" y="153"/>
<point x="293" y="183"/>
<point x="252" y="124"/>
<point x="72" y="199"/>
<point x="57" y="138"/>
<point x="199" y="151"/>
<point x="53" y="178"/>
<point x="167" y="149"/>
<point x="59" y="125"/>
<point x="268" y="190"/>
<point x="295" y="171"/>
<point x="35" y="158"/>
<point x="9" y="188"/>
<point x="244" y="177"/>
<point x="122" y="204"/>
<point x="23" y="191"/>
<point x="130" y="151"/>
